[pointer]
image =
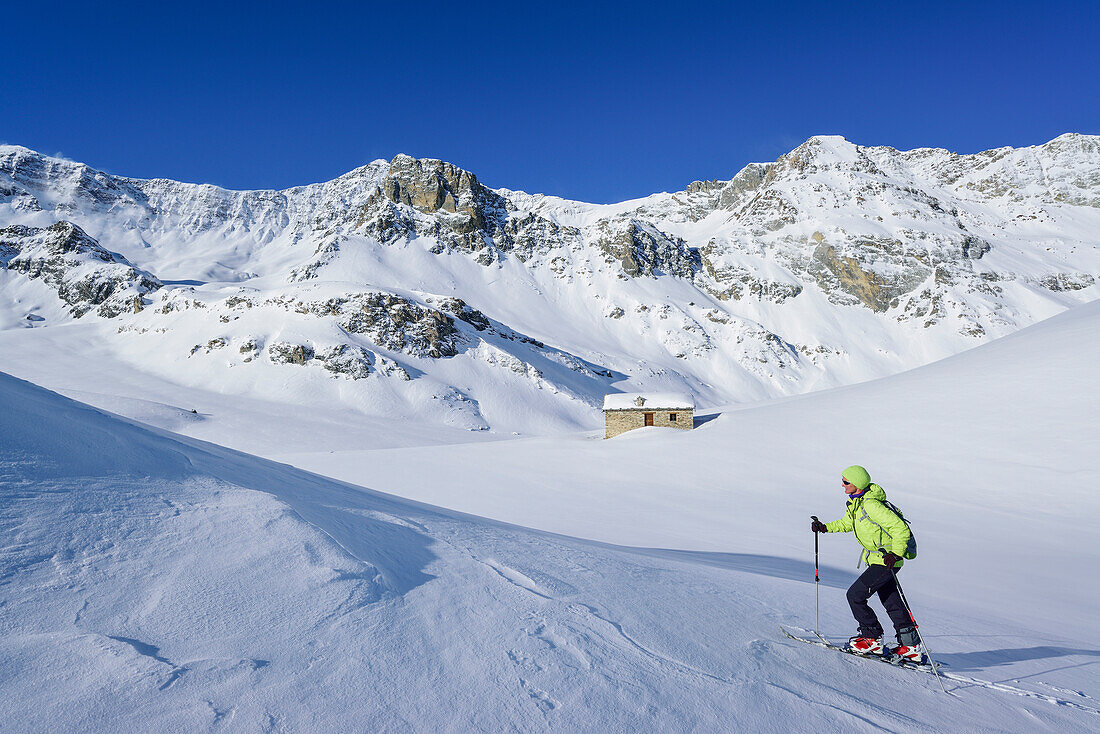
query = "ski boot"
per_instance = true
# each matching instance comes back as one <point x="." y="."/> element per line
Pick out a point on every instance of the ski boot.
<point x="908" y="654"/>
<point x="909" y="649"/>
<point x="867" y="642"/>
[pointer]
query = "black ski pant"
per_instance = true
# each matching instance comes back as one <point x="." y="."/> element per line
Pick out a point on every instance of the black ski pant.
<point x="877" y="579"/>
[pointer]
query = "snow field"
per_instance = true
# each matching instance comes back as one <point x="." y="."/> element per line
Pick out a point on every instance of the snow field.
<point x="153" y="580"/>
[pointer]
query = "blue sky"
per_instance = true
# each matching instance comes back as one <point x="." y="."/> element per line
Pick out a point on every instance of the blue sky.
<point x="594" y="102"/>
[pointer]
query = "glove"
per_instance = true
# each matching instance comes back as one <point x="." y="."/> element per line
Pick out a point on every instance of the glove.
<point x="818" y="527"/>
<point x="890" y="560"/>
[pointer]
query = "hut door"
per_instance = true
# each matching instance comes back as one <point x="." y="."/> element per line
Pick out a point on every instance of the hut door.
<point x="649" y="419"/>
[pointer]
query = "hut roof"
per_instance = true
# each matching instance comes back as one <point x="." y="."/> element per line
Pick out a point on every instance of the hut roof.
<point x="650" y="401"/>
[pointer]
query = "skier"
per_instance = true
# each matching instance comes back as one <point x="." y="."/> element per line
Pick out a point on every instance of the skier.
<point x="876" y="527"/>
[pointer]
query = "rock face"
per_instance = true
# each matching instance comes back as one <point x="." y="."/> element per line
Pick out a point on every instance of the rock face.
<point x="289" y="353"/>
<point x="467" y="216"/>
<point x="430" y="186"/>
<point x="641" y="249"/>
<point x="348" y="360"/>
<point x="401" y="271"/>
<point x="393" y="322"/>
<point x="85" y="275"/>
<point x="433" y="199"/>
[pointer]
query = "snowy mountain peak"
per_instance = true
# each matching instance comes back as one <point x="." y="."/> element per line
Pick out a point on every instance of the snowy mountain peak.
<point x="7" y="151"/>
<point x="824" y="153"/>
<point x="835" y="146"/>
<point x="1078" y="141"/>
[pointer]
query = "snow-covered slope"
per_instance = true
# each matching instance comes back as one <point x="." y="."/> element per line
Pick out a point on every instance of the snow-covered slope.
<point x="408" y="289"/>
<point x="992" y="454"/>
<point x="153" y="581"/>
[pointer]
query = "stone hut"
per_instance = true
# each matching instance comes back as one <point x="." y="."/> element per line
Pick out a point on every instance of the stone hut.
<point x="626" y="411"/>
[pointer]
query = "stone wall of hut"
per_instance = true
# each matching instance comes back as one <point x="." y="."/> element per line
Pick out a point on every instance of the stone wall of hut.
<point x="621" y="421"/>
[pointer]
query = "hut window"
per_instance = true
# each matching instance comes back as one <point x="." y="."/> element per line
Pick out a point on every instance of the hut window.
<point x="649" y="419"/>
<point x="672" y="417"/>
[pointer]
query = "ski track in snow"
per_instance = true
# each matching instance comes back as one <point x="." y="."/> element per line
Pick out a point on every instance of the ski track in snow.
<point x="875" y="725"/>
<point x="590" y="611"/>
<point x="996" y="686"/>
<point x="1070" y="691"/>
<point x="589" y="616"/>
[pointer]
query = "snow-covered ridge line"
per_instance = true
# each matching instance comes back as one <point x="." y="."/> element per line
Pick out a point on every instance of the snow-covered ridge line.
<point x="837" y="143"/>
<point x="21" y="155"/>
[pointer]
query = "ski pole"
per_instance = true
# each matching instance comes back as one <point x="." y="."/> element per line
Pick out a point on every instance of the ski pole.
<point x="904" y="601"/>
<point x="817" y="584"/>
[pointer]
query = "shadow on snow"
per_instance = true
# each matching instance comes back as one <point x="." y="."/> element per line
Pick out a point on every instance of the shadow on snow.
<point x="773" y="566"/>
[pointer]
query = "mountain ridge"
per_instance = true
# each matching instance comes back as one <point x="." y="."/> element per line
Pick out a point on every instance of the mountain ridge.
<point x="835" y="263"/>
<point x="6" y="148"/>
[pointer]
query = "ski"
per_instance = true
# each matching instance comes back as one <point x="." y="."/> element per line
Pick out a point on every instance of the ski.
<point x="896" y="662"/>
<point x="956" y="677"/>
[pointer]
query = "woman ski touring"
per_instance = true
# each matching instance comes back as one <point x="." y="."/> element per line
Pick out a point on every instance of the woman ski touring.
<point x="886" y="541"/>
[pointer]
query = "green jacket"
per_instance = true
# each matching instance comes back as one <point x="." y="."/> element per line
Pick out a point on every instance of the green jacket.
<point x="875" y="526"/>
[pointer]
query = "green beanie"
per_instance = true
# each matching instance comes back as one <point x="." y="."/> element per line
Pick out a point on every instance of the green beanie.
<point x="858" y="476"/>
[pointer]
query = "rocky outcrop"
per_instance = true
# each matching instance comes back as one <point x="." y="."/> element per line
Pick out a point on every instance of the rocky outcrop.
<point x="747" y="181"/>
<point x="473" y="317"/>
<point x="390" y="321"/>
<point x="460" y="211"/>
<point x="251" y="348"/>
<point x="348" y="360"/>
<point x="430" y="186"/>
<point x="432" y="198"/>
<point x="729" y="195"/>
<point x="641" y="249"/>
<point x="843" y="274"/>
<point x="85" y="275"/>
<point x="394" y="323"/>
<point x="387" y="323"/>
<point x="1066" y="281"/>
<point x="290" y="353"/>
